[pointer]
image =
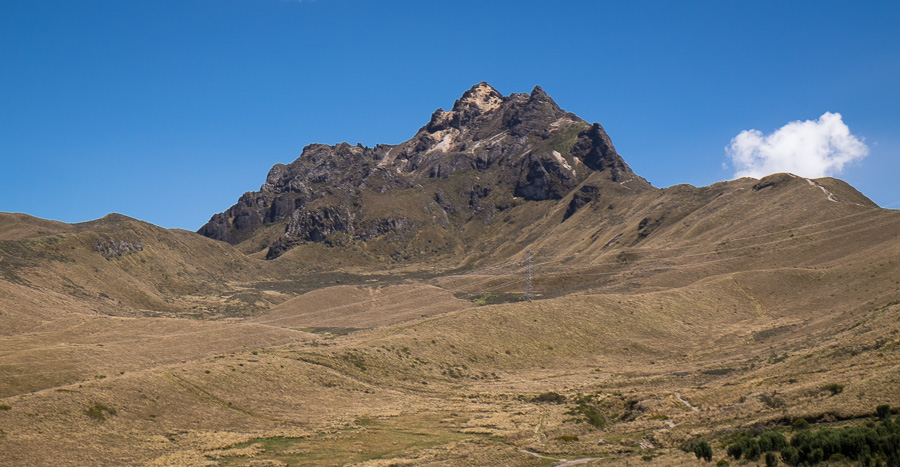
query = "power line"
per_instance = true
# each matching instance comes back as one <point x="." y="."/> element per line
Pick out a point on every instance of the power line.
<point x="528" y="290"/>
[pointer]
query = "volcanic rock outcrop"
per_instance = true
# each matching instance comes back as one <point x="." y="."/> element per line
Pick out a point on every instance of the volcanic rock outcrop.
<point x="488" y="153"/>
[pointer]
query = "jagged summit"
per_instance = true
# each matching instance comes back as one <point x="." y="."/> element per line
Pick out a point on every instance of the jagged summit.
<point x="487" y="154"/>
<point x="481" y="97"/>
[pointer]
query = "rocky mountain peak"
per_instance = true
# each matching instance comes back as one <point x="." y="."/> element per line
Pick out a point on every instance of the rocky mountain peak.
<point x="480" y="98"/>
<point x="541" y="101"/>
<point x="538" y="95"/>
<point x="499" y="151"/>
<point x="474" y="103"/>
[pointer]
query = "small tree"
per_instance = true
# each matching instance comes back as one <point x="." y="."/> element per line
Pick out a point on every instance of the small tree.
<point x="815" y="456"/>
<point x="790" y="455"/>
<point x="772" y="441"/>
<point x="752" y="450"/>
<point x="883" y="411"/>
<point x="703" y="451"/>
<point x="736" y="450"/>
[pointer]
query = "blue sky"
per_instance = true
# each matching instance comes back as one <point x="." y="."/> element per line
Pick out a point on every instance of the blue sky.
<point x="168" y="110"/>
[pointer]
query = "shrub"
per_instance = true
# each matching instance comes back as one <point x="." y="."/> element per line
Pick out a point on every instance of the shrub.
<point x="752" y="450"/>
<point x="593" y="416"/>
<point x="872" y="442"/>
<point x="735" y="450"/>
<point x="772" y="400"/>
<point x="815" y="456"/>
<point x="883" y="411"/>
<point x="800" y="424"/>
<point x="790" y="455"/>
<point x="703" y="451"/>
<point x="549" y="397"/>
<point x="356" y="359"/>
<point x="772" y="441"/>
<point x="745" y="446"/>
<point x="865" y="458"/>
<point x="99" y="411"/>
<point x="834" y="388"/>
<point x="771" y="459"/>
<point x="567" y="437"/>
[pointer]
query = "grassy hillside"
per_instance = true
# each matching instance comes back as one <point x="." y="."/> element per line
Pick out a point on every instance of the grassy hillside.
<point x="661" y="318"/>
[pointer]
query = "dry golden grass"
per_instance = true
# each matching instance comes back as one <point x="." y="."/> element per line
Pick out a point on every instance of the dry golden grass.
<point x="738" y="303"/>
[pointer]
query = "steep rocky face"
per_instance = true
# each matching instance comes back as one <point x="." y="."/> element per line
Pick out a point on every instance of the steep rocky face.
<point x="474" y="160"/>
<point x="289" y="190"/>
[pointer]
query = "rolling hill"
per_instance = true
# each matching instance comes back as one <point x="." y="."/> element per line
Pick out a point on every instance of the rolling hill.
<point x="366" y="307"/>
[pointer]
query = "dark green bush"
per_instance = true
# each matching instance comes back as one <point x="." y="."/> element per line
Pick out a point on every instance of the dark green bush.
<point x="746" y="446"/>
<point x="815" y="456"/>
<point x="593" y="416"/>
<point x="875" y="443"/>
<point x="703" y="451"/>
<point x="771" y="459"/>
<point x="790" y="455"/>
<point x="735" y="450"/>
<point x="752" y="449"/>
<point x="772" y="441"/>
<point x="800" y="424"/>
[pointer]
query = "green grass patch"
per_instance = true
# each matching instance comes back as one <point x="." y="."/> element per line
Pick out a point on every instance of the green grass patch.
<point x="358" y="360"/>
<point x="563" y="139"/>
<point x="482" y="299"/>
<point x="592" y="415"/>
<point x="366" y="440"/>
<point x="329" y="331"/>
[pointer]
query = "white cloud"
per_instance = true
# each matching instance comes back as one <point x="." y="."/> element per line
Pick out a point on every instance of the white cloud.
<point x="814" y="148"/>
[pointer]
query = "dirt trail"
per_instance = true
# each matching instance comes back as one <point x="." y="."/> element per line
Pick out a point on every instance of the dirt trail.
<point x="828" y="194"/>
<point x="678" y="396"/>
<point x="564" y="463"/>
<point x="539" y="429"/>
<point x="560" y="462"/>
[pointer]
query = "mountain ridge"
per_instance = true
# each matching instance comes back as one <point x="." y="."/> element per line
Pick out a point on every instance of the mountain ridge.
<point x="521" y="146"/>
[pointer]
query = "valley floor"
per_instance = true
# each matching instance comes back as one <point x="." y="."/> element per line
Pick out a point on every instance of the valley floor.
<point x="583" y="378"/>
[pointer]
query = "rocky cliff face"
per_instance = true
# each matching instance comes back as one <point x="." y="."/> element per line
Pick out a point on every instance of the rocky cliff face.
<point x="486" y="154"/>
